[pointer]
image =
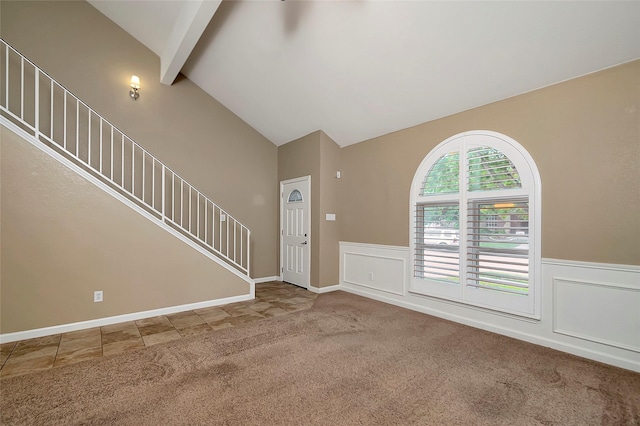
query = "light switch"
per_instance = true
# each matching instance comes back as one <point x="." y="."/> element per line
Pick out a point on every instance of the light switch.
<point x="331" y="216"/>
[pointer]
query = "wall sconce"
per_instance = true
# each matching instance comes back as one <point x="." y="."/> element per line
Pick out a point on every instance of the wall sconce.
<point x="135" y="86"/>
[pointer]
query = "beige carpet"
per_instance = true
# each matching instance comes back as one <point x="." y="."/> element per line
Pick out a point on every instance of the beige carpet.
<point x="346" y="361"/>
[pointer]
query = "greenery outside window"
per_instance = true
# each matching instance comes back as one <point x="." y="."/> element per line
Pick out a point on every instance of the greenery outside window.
<point x="475" y="206"/>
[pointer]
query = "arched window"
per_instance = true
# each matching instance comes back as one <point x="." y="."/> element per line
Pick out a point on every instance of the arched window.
<point x="295" y="197"/>
<point x="475" y="224"/>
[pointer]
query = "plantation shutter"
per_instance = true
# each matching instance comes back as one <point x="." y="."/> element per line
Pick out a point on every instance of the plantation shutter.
<point x="437" y="254"/>
<point x="490" y="169"/>
<point x="437" y="224"/>
<point x="497" y="241"/>
<point x="444" y="176"/>
<point x="475" y="217"/>
<point x="497" y="230"/>
<point x="498" y="245"/>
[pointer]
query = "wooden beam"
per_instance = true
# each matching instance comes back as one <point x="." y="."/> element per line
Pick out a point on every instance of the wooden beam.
<point x="188" y="29"/>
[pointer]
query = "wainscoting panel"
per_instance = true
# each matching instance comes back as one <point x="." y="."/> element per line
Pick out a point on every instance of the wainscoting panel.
<point x="588" y="309"/>
<point x="599" y="312"/>
<point x="381" y="268"/>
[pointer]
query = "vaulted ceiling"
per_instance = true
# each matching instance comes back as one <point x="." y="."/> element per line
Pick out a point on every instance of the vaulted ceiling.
<point x="360" y="69"/>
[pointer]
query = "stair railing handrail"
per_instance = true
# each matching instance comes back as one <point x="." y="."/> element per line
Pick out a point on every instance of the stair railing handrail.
<point x="231" y="242"/>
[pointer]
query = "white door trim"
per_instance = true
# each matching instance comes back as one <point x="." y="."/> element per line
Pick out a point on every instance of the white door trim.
<point x="308" y="219"/>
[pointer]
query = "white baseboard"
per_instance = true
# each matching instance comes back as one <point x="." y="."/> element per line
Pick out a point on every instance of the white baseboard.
<point x="324" y="289"/>
<point x="65" y="328"/>
<point x="588" y="309"/>
<point x="266" y="279"/>
<point x="538" y="340"/>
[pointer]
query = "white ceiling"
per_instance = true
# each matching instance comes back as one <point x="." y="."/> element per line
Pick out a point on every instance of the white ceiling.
<point x="361" y="69"/>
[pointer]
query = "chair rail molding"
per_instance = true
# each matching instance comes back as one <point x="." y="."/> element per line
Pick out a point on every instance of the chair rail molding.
<point x="588" y="309"/>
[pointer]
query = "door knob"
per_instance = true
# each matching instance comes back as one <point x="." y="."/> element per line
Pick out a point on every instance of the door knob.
<point x="303" y="243"/>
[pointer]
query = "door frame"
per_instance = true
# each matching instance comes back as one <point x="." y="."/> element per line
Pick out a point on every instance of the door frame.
<point x="308" y="219"/>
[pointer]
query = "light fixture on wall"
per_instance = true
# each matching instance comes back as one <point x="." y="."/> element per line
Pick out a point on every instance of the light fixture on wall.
<point x="135" y="86"/>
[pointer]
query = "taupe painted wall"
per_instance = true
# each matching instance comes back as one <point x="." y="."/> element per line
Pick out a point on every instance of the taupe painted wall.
<point x="329" y="203"/>
<point x="318" y="156"/>
<point x="62" y="238"/>
<point x="298" y="158"/>
<point x="180" y="124"/>
<point x="583" y="134"/>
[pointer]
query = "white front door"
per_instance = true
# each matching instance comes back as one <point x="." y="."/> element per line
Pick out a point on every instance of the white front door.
<point x="295" y="225"/>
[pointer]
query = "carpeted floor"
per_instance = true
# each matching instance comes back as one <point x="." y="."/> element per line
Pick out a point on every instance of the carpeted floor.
<point x="346" y="361"/>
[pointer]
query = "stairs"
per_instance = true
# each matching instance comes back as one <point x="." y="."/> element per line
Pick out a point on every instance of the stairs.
<point x="44" y="113"/>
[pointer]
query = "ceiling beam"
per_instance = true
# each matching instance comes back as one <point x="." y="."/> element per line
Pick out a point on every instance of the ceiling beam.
<point x="189" y="26"/>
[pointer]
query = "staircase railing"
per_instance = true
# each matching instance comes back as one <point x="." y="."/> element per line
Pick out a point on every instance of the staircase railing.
<point x="33" y="100"/>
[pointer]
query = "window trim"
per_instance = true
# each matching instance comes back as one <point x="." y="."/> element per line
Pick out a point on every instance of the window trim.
<point x="526" y="306"/>
<point x="291" y="201"/>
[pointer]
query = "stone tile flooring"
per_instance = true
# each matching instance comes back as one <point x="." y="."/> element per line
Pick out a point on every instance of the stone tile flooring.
<point x="27" y="356"/>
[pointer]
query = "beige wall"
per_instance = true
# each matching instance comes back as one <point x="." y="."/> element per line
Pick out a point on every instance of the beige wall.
<point x="584" y="136"/>
<point x="318" y="156"/>
<point x="298" y="158"/>
<point x="63" y="238"/>
<point x="329" y="203"/>
<point x="180" y="124"/>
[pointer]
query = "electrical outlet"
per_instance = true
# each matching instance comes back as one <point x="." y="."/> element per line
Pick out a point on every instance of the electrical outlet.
<point x="97" y="296"/>
<point x="370" y="276"/>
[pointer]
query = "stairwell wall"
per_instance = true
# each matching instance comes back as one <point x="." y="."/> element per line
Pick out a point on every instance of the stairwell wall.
<point x="64" y="238"/>
<point x="181" y="125"/>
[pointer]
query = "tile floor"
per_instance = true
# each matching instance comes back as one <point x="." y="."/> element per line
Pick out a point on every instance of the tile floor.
<point x="27" y="356"/>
